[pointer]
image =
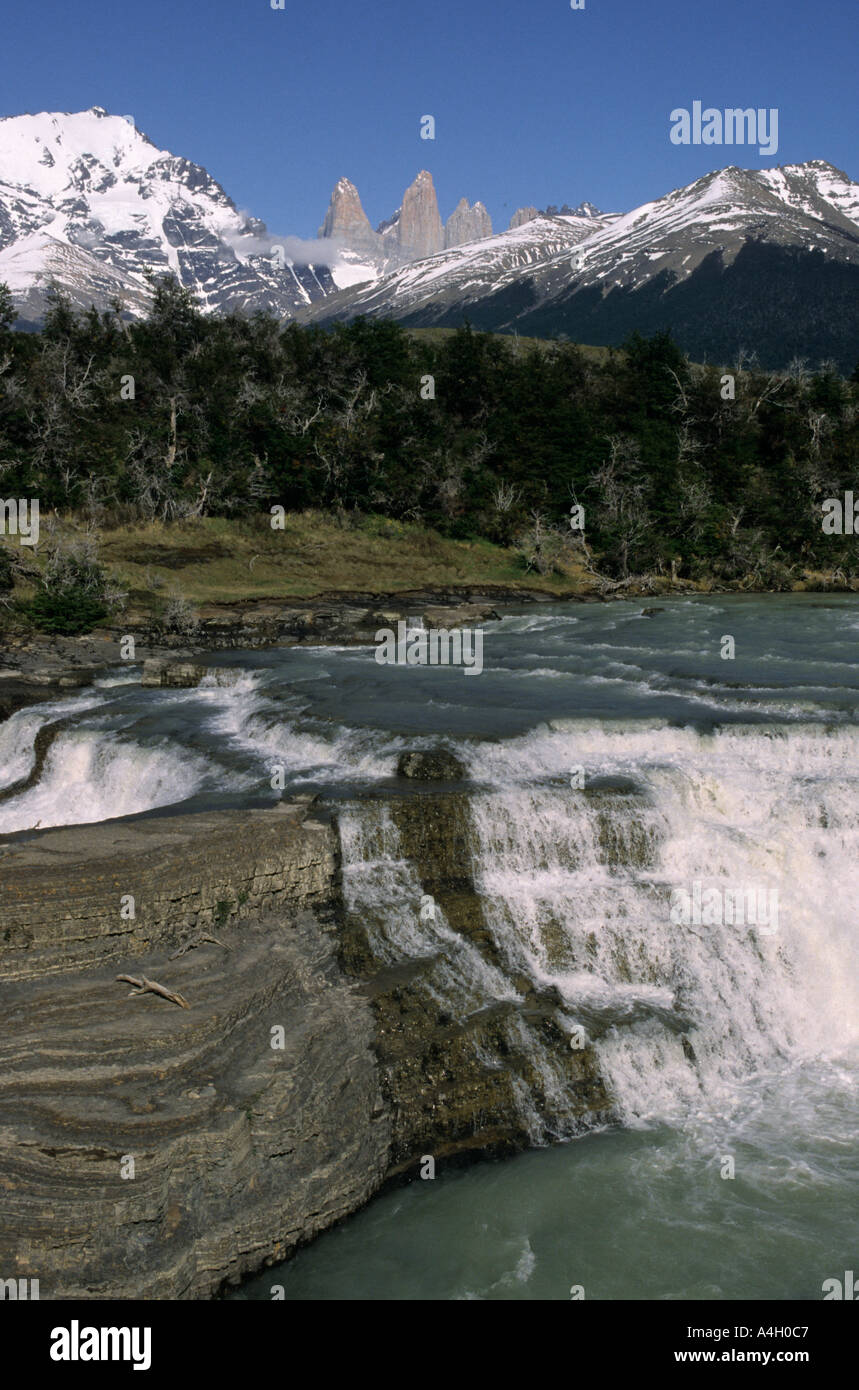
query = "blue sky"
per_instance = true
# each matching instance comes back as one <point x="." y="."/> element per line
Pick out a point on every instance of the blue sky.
<point x="534" y="102"/>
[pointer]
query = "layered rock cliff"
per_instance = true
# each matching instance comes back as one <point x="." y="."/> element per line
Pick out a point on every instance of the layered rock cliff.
<point x="154" y="1151"/>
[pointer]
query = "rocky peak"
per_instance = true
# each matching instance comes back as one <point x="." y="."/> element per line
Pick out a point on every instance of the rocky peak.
<point x="467" y="223"/>
<point x="345" y="216"/>
<point x="521" y="216"/>
<point x="389" y="224"/>
<point x="420" y="228"/>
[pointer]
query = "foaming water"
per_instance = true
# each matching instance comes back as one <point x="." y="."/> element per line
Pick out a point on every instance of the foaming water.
<point x="18" y="734"/>
<point x="613" y="761"/>
<point x="578" y="887"/>
<point x="89" y="778"/>
<point x="382" y="890"/>
<point x="17" y="745"/>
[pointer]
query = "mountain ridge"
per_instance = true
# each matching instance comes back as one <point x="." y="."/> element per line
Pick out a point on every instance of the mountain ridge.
<point x="597" y="278"/>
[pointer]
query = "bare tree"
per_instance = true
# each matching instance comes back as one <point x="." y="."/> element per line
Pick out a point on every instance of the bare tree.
<point x="505" y="496"/>
<point x="621" y="493"/>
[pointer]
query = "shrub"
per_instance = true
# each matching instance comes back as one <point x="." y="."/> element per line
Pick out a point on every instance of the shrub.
<point x="74" y="597"/>
<point x="179" y="616"/>
<point x="68" y="613"/>
<point x="547" y="548"/>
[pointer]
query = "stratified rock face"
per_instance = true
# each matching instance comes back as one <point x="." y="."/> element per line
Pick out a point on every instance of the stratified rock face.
<point x="420" y="228"/>
<point x="521" y="216"/>
<point x="305" y="1072"/>
<point x="345" y="216"/>
<point x="59" y="892"/>
<point x="467" y="223"/>
<point x="241" y="1147"/>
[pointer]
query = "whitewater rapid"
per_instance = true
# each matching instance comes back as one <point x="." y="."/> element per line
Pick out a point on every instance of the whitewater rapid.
<point x="612" y="760"/>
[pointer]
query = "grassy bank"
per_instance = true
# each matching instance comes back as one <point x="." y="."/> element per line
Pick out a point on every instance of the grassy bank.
<point x="213" y="560"/>
<point x="216" y="561"/>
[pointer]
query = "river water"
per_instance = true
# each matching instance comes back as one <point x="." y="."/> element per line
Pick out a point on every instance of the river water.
<point x="615" y="760"/>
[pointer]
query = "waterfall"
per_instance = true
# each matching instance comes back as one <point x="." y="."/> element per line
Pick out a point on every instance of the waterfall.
<point x="576" y="885"/>
<point x="91" y="776"/>
<point x="383" y="894"/>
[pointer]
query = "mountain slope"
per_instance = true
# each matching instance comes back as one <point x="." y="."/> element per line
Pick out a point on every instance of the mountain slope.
<point x="89" y="202"/>
<point x="464" y="274"/>
<point x="766" y="260"/>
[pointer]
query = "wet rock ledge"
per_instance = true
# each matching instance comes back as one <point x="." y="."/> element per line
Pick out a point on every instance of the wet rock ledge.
<point x="153" y="1151"/>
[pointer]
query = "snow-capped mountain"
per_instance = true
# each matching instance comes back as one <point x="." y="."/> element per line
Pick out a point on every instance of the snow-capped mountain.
<point x="89" y="202"/>
<point x="765" y="260"/>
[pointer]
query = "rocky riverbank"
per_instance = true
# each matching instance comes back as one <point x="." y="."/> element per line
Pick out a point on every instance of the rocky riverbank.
<point x="149" y="1150"/>
<point x="36" y="667"/>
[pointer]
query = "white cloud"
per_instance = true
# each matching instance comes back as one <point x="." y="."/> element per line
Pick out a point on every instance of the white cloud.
<point x="318" y="251"/>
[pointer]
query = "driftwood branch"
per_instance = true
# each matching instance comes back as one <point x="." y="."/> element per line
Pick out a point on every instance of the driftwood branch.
<point x="144" y="986"/>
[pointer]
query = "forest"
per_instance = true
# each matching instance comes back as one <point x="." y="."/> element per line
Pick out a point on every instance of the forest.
<point x="671" y="467"/>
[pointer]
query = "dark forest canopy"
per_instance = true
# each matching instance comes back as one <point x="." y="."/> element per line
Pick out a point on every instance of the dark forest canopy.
<point x="185" y="414"/>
